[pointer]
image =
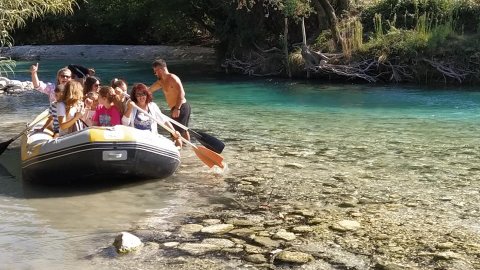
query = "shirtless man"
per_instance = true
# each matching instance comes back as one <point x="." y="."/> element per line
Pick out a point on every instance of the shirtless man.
<point x="174" y="95"/>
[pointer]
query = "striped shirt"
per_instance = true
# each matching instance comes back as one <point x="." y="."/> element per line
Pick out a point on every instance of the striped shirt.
<point x="52" y="110"/>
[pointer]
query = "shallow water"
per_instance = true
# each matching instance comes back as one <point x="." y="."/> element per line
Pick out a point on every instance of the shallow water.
<point x="404" y="139"/>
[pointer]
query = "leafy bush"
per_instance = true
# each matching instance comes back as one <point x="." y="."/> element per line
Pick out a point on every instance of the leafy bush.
<point x="404" y="14"/>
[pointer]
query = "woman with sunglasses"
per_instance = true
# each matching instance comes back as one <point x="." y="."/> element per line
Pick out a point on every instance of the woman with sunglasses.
<point x="90" y="93"/>
<point x="63" y="76"/>
<point x="135" y="118"/>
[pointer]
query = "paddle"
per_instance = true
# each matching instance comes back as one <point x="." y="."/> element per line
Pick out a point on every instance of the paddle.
<point x="4" y="145"/>
<point x="209" y="141"/>
<point x="205" y="139"/>
<point x="208" y="157"/>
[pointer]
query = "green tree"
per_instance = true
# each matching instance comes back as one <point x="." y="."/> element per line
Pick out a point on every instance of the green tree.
<point x="14" y="14"/>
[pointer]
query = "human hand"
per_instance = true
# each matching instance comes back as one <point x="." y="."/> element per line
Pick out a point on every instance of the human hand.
<point x="34" y="68"/>
<point x="80" y="111"/>
<point x="88" y="102"/>
<point x="118" y="91"/>
<point x="175" y="113"/>
<point x="177" y="135"/>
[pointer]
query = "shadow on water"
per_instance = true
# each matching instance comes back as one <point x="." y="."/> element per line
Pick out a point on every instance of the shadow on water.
<point x="13" y="185"/>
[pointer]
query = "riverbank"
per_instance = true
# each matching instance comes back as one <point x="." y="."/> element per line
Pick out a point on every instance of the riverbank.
<point x="203" y="55"/>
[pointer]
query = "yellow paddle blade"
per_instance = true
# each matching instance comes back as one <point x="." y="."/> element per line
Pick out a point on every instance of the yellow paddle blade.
<point x="208" y="157"/>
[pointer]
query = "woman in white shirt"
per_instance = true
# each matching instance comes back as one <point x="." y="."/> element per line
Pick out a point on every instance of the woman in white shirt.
<point x="71" y="109"/>
<point x="136" y="118"/>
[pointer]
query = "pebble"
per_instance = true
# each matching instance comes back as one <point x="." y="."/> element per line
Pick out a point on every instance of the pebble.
<point x="282" y="234"/>
<point x="256" y="258"/>
<point x="346" y="225"/>
<point x="302" y="229"/>
<point x="171" y="244"/>
<point x="266" y="242"/>
<point x="220" y="242"/>
<point x="445" y="245"/>
<point x="293" y="257"/>
<point x="295" y="165"/>
<point x="211" y="221"/>
<point x="251" y="249"/>
<point x="189" y="229"/>
<point x="242" y="233"/>
<point x="218" y="228"/>
<point x="197" y="248"/>
<point x="447" y="255"/>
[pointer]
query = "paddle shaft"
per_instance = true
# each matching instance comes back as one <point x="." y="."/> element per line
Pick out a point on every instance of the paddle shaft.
<point x="4" y="145"/>
<point x="29" y="127"/>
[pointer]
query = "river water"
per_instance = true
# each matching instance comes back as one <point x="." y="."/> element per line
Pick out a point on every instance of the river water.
<point x="391" y="132"/>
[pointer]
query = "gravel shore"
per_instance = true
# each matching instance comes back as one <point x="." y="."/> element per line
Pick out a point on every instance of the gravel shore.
<point x="110" y="52"/>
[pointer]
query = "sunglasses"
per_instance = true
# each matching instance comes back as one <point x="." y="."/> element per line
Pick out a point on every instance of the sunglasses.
<point x="65" y="76"/>
<point x="140" y="95"/>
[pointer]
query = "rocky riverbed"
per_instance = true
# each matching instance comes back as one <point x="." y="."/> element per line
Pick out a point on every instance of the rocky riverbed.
<point x="263" y="220"/>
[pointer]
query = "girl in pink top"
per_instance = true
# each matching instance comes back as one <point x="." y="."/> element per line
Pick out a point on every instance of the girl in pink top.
<point x="106" y="114"/>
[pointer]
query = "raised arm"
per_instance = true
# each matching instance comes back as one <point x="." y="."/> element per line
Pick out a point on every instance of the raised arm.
<point x="35" y="80"/>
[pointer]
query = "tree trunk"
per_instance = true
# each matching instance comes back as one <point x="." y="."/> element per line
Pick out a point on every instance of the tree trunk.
<point x="285" y="48"/>
<point x="331" y="18"/>
<point x="304" y="45"/>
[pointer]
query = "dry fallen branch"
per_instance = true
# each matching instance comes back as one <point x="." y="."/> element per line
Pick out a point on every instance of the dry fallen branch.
<point x="257" y="63"/>
<point x="448" y="70"/>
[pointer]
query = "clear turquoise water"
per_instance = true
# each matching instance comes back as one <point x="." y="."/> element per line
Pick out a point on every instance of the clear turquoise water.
<point x="399" y="138"/>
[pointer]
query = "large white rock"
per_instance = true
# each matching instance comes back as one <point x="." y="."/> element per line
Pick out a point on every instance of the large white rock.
<point x="126" y="242"/>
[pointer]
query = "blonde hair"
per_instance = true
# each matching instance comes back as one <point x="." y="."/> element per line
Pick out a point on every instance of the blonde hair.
<point x="73" y="93"/>
<point x="107" y="92"/>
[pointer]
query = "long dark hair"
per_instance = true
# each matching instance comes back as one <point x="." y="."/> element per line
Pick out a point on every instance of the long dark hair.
<point x="89" y="82"/>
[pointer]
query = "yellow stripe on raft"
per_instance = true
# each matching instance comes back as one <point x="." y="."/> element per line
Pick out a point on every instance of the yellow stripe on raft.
<point x="109" y="134"/>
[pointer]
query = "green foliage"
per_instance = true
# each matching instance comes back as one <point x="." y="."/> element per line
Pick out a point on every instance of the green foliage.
<point x="6" y="66"/>
<point x="352" y="36"/>
<point x="406" y="13"/>
<point x="377" y="20"/>
<point x="14" y="13"/>
<point x="122" y="22"/>
<point x="399" y="43"/>
<point x="324" y="42"/>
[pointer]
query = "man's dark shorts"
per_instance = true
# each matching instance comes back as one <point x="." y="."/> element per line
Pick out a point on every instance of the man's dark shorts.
<point x="184" y="116"/>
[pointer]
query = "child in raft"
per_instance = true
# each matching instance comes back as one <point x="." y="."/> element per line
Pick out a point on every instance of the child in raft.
<point x="106" y="114"/>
